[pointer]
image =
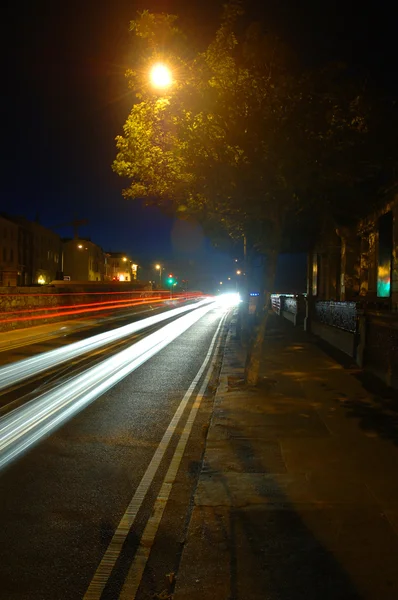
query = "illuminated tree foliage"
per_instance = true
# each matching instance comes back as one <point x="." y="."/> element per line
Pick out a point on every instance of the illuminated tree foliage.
<point x="243" y="140"/>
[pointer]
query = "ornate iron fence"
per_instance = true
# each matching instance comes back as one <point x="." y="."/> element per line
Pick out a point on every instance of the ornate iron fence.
<point x="337" y="314"/>
<point x="290" y="305"/>
<point x="276" y="303"/>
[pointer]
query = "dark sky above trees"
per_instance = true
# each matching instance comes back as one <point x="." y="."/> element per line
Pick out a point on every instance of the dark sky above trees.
<point x="64" y="98"/>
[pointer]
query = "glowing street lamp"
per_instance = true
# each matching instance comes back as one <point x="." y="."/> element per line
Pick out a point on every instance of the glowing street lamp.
<point x="160" y="76"/>
<point x="159" y="268"/>
<point x="238" y="272"/>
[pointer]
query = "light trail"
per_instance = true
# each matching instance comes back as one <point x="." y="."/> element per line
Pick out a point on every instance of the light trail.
<point x="72" y="311"/>
<point x="119" y="293"/>
<point x="26" y="425"/>
<point x="29" y="367"/>
<point x="111" y="303"/>
<point x="22" y="315"/>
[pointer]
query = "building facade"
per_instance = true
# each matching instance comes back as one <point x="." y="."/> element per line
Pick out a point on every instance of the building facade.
<point x="30" y="254"/>
<point x="46" y="259"/>
<point x="119" y="267"/>
<point x="83" y="260"/>
<point x="359" y="263"/>
<point x="9" y="264"/>
<point x="352" y="293"/>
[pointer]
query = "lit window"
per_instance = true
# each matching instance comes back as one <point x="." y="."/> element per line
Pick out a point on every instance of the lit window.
<point x="385" y="249"/>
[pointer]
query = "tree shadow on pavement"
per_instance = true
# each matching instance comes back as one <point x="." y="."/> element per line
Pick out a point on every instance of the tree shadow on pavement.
<point x="273" y="552"/>
<point x="378" y="412"/>
<point x="376" y="409"/>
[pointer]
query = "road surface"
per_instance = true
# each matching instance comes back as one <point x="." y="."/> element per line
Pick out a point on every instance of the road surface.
<point x="95" y="498"/>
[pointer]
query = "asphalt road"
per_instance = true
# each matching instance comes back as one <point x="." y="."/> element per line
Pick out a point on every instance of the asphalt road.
<point x="62" y="501"/>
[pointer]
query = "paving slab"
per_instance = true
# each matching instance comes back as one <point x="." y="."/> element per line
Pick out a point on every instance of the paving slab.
<point x="245" y="455"/>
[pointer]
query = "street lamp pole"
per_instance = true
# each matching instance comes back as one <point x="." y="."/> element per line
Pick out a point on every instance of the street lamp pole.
<point x="159" y="268"/>
<point x="238" y="272"/>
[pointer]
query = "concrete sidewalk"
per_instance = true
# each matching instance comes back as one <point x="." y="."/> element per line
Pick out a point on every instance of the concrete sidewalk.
<point x="298" y="493"/>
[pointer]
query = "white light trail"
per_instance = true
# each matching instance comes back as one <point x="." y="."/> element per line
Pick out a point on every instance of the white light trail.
<point x="27" y="424"/>
<point x="29" y="367"/>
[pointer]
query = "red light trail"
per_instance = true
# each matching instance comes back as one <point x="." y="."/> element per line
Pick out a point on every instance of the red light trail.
<point x="23" y="315"/>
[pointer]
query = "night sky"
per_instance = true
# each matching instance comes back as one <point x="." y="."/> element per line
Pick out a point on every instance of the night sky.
<point x="64" y="99"/>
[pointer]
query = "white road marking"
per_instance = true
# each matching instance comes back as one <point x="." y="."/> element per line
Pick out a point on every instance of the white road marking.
<point x="137" y="568"/>
<point x="114" y="549"/>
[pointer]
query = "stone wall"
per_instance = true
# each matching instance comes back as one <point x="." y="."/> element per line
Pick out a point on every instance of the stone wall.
<point x="380" y="341"/>
<point x="29" y="306"/>
<point x="345" y="341"/>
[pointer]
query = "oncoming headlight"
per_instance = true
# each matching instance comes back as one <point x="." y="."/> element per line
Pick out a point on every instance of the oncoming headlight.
<point x="231" y="299"/>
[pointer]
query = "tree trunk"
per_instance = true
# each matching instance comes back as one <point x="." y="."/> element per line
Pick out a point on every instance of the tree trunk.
<point x="254" y="355"/>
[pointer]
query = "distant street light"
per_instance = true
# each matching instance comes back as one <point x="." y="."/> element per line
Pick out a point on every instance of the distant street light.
<point x="171" y="281"/>
<point x="238" y="272"/>
<point x="159" y="268"/>
<point x="160" y="76"/>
